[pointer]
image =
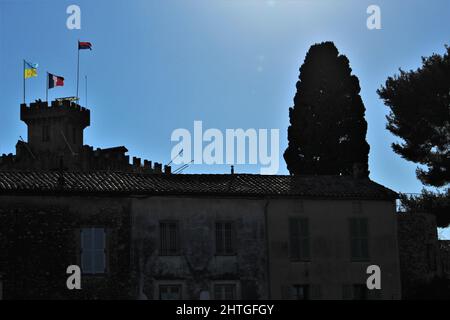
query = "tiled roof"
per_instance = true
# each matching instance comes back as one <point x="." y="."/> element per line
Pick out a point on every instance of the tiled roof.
<point x="190" y="184"/>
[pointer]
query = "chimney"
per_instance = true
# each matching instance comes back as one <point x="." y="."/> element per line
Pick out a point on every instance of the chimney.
<point x="232" y="169"/>
<point x="136" y="162"/>
<point x="167" y="169"/>
<point x="148" y="165"/>
<point x="158" y="168"/>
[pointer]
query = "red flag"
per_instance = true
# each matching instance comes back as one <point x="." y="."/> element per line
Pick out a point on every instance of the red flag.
<point x="84" y="45"/>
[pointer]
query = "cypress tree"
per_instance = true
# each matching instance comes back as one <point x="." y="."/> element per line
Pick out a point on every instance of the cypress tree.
<point x="327" y="132"/>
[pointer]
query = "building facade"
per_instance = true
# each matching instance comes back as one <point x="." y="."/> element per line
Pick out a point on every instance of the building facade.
<point x="148" y="236"/>
<point x="321" y="249"/>
<point x="139" y="232"/>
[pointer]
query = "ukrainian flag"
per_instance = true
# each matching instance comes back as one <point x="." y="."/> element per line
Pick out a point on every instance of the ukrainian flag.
<point x="30" y="70"/>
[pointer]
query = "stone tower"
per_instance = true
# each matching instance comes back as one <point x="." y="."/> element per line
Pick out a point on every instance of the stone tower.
<point x="55" y="134"/>
<point x="56" y="142"/>
<point x="57" y="128"/>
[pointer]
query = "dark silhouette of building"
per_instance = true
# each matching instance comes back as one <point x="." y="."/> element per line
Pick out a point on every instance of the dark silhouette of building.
<point x="187" y="236"/>
<point x="56" y="141"/>
<point x="140" y="235"/>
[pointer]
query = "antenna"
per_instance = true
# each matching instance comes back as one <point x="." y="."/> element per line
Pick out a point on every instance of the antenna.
<point x="68" y="145"/>
<point x="86" y="78"/>
<point x="182" y="168"/>
<point x="179" y="154"/>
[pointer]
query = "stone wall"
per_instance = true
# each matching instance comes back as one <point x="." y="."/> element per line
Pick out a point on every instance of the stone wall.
<point x="40" y="238"/>
<point x="419" y="251"/>
<point x="445" y="257"/>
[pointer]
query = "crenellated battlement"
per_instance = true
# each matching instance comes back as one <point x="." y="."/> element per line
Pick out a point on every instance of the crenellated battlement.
<point x="56" y="142"/>
<point x="7" y="159"/>
<point x="57" y="109"/>
<point x="148" y="167"/>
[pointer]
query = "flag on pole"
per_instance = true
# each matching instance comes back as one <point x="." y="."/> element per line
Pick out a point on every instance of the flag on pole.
<point x="55" y="81"/>
<point x="30" y="70"/>
<point x="84" y="45"/>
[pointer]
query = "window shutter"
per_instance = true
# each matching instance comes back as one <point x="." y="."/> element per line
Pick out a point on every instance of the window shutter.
<point x="304" y="242"/>
<point x="219" y="238"/>
<point x="87" y="257"/>
<point x="162" y="238"/>
<point x="169" y="238"/>
<point x="359" y="238"/>
<point x="228" y="238"/>
<point x="294" y="239"/>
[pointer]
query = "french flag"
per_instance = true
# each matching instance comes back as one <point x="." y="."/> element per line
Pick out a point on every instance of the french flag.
<point x="84" y="45"/>
<point x="55" y="81"/>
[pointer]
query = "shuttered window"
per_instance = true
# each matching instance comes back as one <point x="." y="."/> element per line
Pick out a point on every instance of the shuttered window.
<point x="169" y="238"/>
<point x="225" y="292"/>
<point x="299" y="247"/>
<point x="300" y="292"/>
<point x="170" y="292"/>
<point x="225" y="238"/>
<point x="359" y="239"/>
<point x="93" y="250"/>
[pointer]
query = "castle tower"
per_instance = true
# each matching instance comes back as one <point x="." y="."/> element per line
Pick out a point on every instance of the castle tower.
<point x="56" y="142"/>
<point x="55" y="134"/>
<point x="57" y="128"/>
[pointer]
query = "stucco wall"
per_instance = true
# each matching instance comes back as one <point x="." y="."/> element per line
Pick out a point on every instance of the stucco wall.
<point x="330" y="267"/>
<point x="198" y="267"/>
<point x="38" y="240"/>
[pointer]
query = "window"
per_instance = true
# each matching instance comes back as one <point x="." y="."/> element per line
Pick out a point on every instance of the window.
<point x="299" y="239"/>
<point x="170" y="292"/>
<point x="45" y="133"/>
<point x="169" y="240"/>
<point x="359" y="239"/>
<point x="225" y="238"/>
<point x="300" y="292"/>
<point x="225" y="291"/>
<point x="93" y="250"/>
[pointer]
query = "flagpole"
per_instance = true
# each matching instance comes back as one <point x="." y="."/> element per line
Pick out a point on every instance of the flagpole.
<point x="86" y="91"/>
<point x="78" y="67"/>
<point x="23" y="81"/>
<point x="46" y="88"/>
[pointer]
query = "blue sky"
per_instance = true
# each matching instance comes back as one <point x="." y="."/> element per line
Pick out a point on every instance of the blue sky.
<point x="158" y="65"/>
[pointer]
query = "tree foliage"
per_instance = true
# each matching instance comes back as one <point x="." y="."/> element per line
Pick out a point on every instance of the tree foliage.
<point x="429" y="202"/>
<point x="327" y="132"/>
<point x="419" y="103"/>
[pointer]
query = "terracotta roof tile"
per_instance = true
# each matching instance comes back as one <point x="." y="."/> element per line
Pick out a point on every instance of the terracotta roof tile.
<point x="207" y="184"/>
